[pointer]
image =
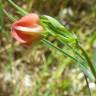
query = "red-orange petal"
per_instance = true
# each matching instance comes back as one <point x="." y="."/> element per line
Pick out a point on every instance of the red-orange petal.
<point x="29" y="20"/>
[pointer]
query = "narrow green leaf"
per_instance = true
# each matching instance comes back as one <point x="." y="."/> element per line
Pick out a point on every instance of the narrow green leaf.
<point x="87" y="72"/>
<point x="59" y="49"/>
<point x="22" y="11"/>
<point x="10" y="16"/>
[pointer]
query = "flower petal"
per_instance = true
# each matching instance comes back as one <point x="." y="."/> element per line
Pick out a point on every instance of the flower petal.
<point x="28" y="20"/>
<point x="26" y="29"/>
<point x="29" y="30"/>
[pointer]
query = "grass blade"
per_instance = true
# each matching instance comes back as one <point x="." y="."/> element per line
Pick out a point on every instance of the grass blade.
<point x="17" y="7"/>
<point x="11" y="17"/>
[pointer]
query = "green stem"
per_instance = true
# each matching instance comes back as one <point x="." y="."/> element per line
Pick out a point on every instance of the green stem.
<point x="17" y="7"/>
<point x="11" y="17"/>
<point x="88" y="60"/>
<point x="89" y="91"/>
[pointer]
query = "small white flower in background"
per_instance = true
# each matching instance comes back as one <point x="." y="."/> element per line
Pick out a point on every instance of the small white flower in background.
<point x="92" y="86"/>
<point x="27" y="81"/>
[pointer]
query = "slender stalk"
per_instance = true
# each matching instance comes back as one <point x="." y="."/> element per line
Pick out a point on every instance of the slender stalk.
<point x="11" y="17"/>
<point x="17" y="7"/>
<point x="89" y="91"/>
<point x="88" y="60"/>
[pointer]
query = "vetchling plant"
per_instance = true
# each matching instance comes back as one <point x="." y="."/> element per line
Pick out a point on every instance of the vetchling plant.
<point x="33" y="27"/>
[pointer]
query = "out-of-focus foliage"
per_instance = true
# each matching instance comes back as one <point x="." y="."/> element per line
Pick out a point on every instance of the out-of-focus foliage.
<point x="38" y="70"/>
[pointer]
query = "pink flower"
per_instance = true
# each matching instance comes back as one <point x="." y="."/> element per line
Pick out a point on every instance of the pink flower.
<point x="27" y="29"/>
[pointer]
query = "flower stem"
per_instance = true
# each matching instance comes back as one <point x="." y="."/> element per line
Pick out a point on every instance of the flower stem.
<point x="89" y="91"/>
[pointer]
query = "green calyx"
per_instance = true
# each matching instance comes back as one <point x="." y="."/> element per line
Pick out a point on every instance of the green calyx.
<point x="53" y="27"/>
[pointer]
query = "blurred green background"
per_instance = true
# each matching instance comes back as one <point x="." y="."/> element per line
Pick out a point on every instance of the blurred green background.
<point x="41" y="71"/>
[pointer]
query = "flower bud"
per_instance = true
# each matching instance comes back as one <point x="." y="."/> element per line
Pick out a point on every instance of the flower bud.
<point x="27" y="29"/>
